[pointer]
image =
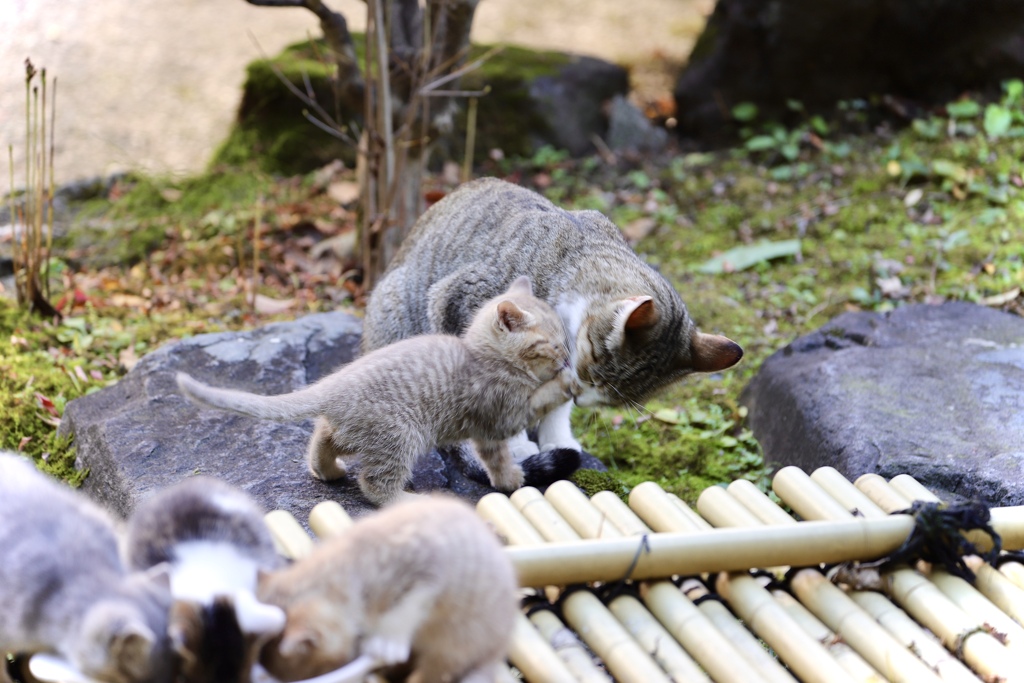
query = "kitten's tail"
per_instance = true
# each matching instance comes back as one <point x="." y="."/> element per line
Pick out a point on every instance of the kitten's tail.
<point x="303" y="403"/>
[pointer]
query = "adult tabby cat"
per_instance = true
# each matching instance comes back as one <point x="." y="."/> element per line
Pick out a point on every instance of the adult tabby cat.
<point x="424" y="581"/>
<point x="64" y="589"/>
<point x="631" y="331"/>
<point x="508" y="369"/>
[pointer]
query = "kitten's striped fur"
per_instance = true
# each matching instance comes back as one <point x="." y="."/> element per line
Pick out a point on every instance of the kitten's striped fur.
<point x="508" y="369"/>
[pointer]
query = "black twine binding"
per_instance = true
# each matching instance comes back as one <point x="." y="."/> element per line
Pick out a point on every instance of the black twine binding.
<point x="644" y="547"/>
<point x="937" y="537"/>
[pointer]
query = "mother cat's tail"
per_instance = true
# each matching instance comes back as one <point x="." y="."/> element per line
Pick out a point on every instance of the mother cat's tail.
<point x="306" y="402"/>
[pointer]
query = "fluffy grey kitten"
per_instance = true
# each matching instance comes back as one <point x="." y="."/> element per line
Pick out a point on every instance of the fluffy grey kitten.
<point x="630" y="329"/>
<point x="508" y="369"/>
<point x="64" y="588"/>
<point x="212" y="537"/>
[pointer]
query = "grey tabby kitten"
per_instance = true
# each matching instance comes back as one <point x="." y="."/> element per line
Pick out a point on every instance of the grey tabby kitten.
<point x="630" y="329"/>
<point x="425" y="581"/>
<point x="213" y="540"/>
<point x="65" y="590"/>
<point x="510" y="367"/>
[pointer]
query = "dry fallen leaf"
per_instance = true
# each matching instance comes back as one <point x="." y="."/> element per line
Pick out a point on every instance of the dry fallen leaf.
<point x="1000" y="299"/>
<point x="343" y="191"/>
<point x="636" y="230"/>
<point x="269" y="306"/>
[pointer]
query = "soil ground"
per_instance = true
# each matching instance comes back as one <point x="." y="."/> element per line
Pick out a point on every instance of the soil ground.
<point x="153" y="84"/>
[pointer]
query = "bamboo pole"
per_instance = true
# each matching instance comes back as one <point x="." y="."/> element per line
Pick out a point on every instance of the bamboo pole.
<point x="577" y="658"/>
<point x="859" y="629"/>
<point x="912" y="489"/>
<point x="591" y="522"/>
<point x="543" y="516"/>
<point x="656" y="641"/>
<point x="497" y="509"/>
<point x="290" y="538"/>
<point x="749" y="647"/>
<point x="806" y="497"/>
<point x="843" y="490"/>
<point x="721" y="508"/>
<point x="329" y="519"/>
<point x="575" y="508"/>
<point x="624" y="519"/>
<point x="692" y="629"/>
<point x="957" y="630"/>
<point x="805" y="656"/>
<point x="882" y="493"/>
<point x="533" y="654"/>
<point x="998" y="588"/>
<point x="840" y="650"/>
<point x="1008" y="522"/>
<point x="601" y="631"/>
<point x="697" y="520"/>
<point x="752" y="603"/>
<point x="973" y="602"/>
<point x="1014" y="571"/>
<point x="828" y="602"/>
<point x="758" y="503"/>
<point x="667" y="554"/>
<point x="912" y="636"/>
<point x="650" y="502"/>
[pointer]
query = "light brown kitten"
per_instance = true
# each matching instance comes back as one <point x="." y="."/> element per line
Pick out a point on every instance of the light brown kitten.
<point x="509" y="368"/>
<point x="425" y="579"/>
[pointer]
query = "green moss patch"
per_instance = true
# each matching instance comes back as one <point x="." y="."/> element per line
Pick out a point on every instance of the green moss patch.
<point x="272" y="132"/>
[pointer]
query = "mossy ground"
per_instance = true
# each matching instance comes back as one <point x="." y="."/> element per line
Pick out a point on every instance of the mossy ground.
<point x="885" y="217"/>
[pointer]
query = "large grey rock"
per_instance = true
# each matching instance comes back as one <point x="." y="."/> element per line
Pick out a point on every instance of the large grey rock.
<point x="932" y="391"/>
<point x="822" y="51"/>
<point x="141" y="434"/>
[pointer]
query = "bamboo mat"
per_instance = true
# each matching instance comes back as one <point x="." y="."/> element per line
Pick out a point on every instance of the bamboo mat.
<point x="702" y="601"/>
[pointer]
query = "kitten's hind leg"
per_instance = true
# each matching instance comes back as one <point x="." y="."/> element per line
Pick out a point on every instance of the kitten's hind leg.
<point x="496" y="456"/>
<point x="324" y="456"/>
<point x="390" y="639"/>
<point x="555" y="430"/>
<point x="386" y="470"/>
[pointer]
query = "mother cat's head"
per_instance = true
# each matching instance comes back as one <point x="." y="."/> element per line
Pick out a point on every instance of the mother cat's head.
<point x="629" y="348"/>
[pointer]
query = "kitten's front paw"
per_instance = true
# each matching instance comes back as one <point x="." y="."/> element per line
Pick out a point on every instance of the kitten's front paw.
<point x="387" y="651"/>
<point x="509" y="480"/>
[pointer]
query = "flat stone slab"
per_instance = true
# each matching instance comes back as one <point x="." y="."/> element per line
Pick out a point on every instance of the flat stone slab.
<point x="936" y="392"/>
<point x="142" y="434"/>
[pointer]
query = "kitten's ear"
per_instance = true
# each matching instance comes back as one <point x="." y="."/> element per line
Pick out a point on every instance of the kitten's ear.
<point x="131" y="647"/>
<point x="299" y="641"/>
<point x="160" y="575"/>
<point x="711" y="353"/>
<point x="511" y="318"/>
<point x="634" y="314"/>
<point x="521" y="286"/>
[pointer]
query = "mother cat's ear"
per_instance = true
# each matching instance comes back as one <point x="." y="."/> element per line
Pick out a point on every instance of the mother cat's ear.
<point x="711" y="353"/>
<point x="632" y="316"/>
